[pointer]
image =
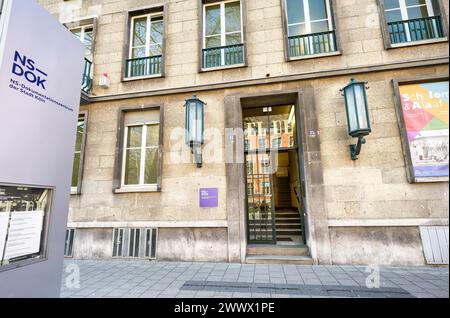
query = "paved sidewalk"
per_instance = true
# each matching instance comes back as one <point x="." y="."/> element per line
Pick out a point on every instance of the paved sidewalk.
<point x="123" y="278"/>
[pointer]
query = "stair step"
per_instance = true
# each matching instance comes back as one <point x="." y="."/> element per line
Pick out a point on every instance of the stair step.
<point x="291" y="226"/>
<point x="287" y="221"/>
<point x="277" y="250"/>
<point x="289" y="232"/>
<point x="279" y="259"/>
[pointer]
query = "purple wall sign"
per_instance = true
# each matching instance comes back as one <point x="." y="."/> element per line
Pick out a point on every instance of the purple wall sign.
<point x="209" y="198"/>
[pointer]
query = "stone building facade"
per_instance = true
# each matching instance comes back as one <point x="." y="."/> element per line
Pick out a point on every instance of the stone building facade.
<point x="365" y="211"/>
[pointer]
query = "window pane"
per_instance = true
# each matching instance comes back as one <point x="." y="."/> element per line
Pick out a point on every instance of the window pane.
<point x="233" y="39"/>
<point x="156" y="32"/>
<point x="138" y="52"/>
<point x="76" y="32"/>
<point x="132" y="166"/>
<point x="80" y="131"/>
<point x="212" y="20"/>
<point x="152" y="136"/>
<point x="139" y="31"/>
<point x="394" y="16"/>
<point x="318" y="10"/>
<point x="88" y="33"/>
<point x="134" y="137"/>
<point x="391" y="4"/>
<point x="417" y="12"/>
<point x="295" y="11"/>
<point x="155" y="50"/>
<point x="233" y="16"/>
<point x="151" y="166"/>
<point x="321" y="26"/>
<point x="213" y="41"/>
<point x="297" y="29"/>
<point x="414" y="2"/>
<point x="76" y="167"/>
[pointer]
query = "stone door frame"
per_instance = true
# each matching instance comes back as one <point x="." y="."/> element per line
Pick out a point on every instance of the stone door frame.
<point x="318" y="239"/>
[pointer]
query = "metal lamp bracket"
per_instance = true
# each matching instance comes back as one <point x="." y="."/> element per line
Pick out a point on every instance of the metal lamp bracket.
<point x="196" y="149"/>
<point x="355" y="150"/>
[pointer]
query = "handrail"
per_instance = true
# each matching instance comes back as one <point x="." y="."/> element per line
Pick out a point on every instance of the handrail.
<point x="415" y="29"/>
<point x="311" y="44"/>
<point x="143" y="66"/>
<point x="86" y="86"/>
<point x="223" y="55"/>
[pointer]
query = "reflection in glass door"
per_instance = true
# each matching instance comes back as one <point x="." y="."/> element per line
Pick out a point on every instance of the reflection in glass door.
<point x="267" y="130"/>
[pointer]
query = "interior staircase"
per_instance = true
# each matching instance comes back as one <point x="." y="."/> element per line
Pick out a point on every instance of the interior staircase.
<point x="288" y="230"/>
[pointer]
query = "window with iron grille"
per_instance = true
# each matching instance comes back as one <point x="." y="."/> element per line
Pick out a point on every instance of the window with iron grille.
<point x="146" y="43"/>
<point x="68" y="248"/>
<point x="223" y="38"/>
<point x="134" y="243"/>
<point x="310" y="27"/>
<point x="409" y="21"/>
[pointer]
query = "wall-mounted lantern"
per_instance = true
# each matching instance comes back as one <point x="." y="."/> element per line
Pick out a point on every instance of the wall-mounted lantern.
<point x="357" y="114"/>
<point x="195" y="127"/>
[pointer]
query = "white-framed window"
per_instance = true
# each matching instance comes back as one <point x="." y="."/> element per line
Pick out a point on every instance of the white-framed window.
<point x="412" y="20"/>
<point x="308" y="17"/>
<point x="401" y="10"/>
<point x="223" y="35"/>
<point x="140" y="162"/>
<point x="86" y="35"/>
<point x="78" y="153"/>
<point x="146" y="37"/>
<point x="222" y="24"/>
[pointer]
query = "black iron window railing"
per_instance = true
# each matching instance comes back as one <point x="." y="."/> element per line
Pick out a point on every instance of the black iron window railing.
<point x="144" y="66"/>
<point x="415" y="30"/>
<point x="311" y="44"/>
<point x="223" y="56"/>
<point x="86" y="86"/>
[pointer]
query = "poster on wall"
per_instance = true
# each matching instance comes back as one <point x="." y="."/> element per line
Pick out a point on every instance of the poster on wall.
<point x="425" y="113"/>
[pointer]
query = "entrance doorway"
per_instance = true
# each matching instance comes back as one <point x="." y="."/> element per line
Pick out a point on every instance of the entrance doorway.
<point x="273" y="201"/>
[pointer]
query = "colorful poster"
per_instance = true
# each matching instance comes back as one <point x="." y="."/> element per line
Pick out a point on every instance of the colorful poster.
<point x="425" y="112"/>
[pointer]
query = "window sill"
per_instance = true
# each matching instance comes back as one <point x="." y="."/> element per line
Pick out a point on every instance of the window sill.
<point x="137" y="78"/>
<point x="415" y="43"/>
<point x="221" y="68"/>
<point x="314" y="56"/>
<point x="142" y="189"/>
<point x="75" y="191"/>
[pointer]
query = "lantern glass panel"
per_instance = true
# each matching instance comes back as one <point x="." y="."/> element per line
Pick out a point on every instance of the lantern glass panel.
<point x="351" y="109"/>
<point x="361" y="107"/>
<point x="199" y="124"/>
<point x="192" y="122"/>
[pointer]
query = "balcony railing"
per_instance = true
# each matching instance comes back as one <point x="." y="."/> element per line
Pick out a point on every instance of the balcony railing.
<point x="415" y="30"/>
<point x="311" y="44"/>
<point x="223" y="56"/>
<point x="144" y="66"/>
<point x="86" y="86"/>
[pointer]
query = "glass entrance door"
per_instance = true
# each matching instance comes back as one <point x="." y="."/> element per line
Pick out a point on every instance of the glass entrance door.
<point x="260" y="205"/>
<point x="270" y="134"/>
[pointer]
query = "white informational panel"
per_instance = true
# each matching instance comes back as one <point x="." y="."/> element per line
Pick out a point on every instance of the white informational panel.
<point x="24" y="235"/>
<point x="41" y="67"/>
<point x="4" y="219"/>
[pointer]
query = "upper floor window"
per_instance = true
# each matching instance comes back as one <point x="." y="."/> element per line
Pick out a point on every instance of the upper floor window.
<point x="146" y="46"/>
<point x="223" y="39"/>
<point x="310" y="27"/>
<point x="412" y="20"/>
<point x="86" y="35"/>
<point x="84" y="30"/>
